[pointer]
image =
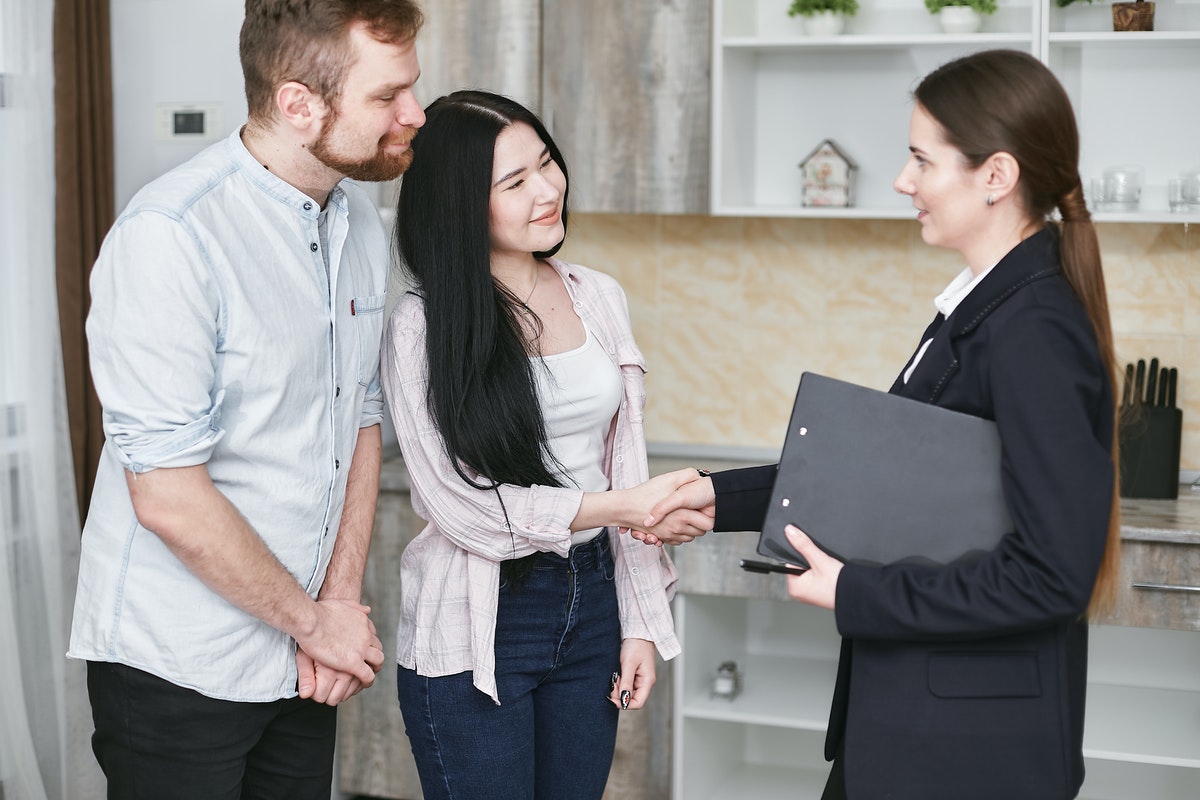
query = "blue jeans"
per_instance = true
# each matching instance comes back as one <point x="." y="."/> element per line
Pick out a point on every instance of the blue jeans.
<point x="558" y="641"/>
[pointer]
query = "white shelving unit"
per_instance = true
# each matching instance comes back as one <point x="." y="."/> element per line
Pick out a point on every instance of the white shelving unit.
<point x="766" y="742"/>
<point x="777" y="93"/>
<point x="1141" y="740"/>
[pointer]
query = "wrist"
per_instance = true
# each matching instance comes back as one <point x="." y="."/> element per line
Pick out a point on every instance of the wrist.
<point x="304" y="621"/>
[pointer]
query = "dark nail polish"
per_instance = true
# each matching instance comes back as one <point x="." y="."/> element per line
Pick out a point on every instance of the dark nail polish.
<point x="625" y="699"/>
<point x="616" y="676"/>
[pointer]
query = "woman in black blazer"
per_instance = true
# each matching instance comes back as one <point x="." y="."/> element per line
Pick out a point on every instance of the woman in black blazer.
<point x="967" y="681"/>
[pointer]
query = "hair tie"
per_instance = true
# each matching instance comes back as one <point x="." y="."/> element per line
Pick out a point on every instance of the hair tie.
<point x="1072" y="205"/>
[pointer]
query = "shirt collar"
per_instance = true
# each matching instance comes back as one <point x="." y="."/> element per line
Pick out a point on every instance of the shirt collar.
<point x="958" y="290"/>
<point x="275" y="186"/>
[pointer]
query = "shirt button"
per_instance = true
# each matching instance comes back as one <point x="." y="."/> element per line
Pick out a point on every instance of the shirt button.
<point x="634" y="571"/>
<point x="337" y="391"/>
<point x="620" y="459"/>
<point x="308" y="206"/>
<point x="314" y="247"/>
<point x="337" y="464"/>
<point x="578" y="304"/>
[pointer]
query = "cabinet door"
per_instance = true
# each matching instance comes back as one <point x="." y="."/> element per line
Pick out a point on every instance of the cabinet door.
<point x="481" y="44"/>
<point x="373" y="754"/>
<point x="625" y="94"/>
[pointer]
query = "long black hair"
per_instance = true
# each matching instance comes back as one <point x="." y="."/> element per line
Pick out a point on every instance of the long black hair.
<point x="482" y="390"/>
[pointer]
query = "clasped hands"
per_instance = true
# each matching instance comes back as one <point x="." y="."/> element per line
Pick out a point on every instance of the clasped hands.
<point x="686" y="509"/>
<point x="342" y="656"/>
<point x="681" y="507"/>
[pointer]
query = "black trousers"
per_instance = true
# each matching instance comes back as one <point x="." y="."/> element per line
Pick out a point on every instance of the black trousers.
<point x="156" y="740"/>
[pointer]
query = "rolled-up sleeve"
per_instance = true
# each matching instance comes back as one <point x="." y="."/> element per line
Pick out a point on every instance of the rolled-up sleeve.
<point x="153" y="334"/>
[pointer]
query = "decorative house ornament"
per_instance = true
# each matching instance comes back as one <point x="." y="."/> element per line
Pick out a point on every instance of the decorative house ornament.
<point x="828" y="176"/>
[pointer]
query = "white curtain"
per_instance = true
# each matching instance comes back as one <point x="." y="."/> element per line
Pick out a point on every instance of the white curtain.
<point x="39" y="528"/>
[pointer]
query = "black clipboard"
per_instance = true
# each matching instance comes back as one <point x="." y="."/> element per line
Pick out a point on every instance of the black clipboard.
<point x="876" y="478"/>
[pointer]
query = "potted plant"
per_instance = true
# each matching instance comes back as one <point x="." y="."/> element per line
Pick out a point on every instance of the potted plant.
<point x="823" y="17"/>
<point x="1135" y="16"/>
<point x="961" y="16"/>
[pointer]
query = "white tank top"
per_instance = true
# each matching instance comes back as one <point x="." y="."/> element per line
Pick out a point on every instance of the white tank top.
<point x="580" y="393"/>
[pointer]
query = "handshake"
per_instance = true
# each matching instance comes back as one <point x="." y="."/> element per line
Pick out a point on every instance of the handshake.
<point x="672" y="508"/>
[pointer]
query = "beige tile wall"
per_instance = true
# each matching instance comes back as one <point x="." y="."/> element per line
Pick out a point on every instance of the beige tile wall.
<point x="730" y="311"/>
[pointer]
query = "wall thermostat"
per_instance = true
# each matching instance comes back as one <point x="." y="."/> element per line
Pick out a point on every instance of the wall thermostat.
<point x="187" y="122"/>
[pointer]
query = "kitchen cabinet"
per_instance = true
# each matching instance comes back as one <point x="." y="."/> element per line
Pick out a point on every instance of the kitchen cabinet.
<point x="1142" y="734"/>
<point x="777" y="93"/>
<point x="625" y="92"/>
<point x="481" y="44"/>
<point x="622" y="86"/>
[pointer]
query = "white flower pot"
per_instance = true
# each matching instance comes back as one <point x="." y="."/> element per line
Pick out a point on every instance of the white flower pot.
<point x="824" y="23"/>
<point x="960" y="19"/>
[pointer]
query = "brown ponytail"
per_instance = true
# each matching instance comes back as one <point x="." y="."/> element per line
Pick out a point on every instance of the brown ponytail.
<point x="1028" y="115"/>
<point x="1080" y="253"/>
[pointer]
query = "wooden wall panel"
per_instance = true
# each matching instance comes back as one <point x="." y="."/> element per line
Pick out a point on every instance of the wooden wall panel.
<point x="481" y="44"/>
<point x="625" y="90"/>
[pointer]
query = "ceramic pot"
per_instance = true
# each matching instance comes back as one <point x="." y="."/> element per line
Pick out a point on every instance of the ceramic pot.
<point x="824" y="23"/>
<point x="960" y="19"/>
<point x="1133" y="16"/>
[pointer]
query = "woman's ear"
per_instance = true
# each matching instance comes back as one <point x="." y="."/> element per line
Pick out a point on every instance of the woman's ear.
<point x="1000" y="173"/>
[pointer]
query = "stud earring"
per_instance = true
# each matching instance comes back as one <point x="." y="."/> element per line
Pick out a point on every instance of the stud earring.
<point x="991" y="199"/>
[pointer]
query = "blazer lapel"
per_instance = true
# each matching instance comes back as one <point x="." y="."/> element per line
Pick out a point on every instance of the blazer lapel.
<point x="1034" y="258"/>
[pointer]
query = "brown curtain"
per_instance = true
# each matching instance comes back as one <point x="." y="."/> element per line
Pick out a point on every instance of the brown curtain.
<point x="84" y="205"/>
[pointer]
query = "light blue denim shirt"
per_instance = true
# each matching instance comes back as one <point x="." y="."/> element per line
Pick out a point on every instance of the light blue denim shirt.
<point x="216" y="338"/>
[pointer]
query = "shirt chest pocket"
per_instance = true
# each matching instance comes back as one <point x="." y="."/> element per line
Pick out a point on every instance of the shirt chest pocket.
<point x="367" y="330"/>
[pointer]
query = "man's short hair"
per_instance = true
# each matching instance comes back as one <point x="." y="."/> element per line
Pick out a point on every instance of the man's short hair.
<point x="308" y="41"/>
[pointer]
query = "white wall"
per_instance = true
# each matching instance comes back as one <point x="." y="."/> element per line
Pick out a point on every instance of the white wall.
<point x="170" y="51"/>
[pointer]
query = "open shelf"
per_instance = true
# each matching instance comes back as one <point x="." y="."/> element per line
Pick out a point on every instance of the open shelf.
<point x="777" y="93"/>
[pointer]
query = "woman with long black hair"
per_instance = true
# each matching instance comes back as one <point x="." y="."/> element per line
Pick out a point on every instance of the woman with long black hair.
<point x="516" y="388"/>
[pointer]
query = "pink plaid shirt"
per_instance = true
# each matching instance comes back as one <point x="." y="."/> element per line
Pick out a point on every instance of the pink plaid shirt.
<point x="450" y="573"/>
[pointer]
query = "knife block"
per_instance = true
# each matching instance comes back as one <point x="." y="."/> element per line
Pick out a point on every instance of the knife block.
<point x="1150" y="439"/>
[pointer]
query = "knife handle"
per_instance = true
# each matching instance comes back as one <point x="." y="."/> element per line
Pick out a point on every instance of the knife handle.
<point x="1164" y="376"/>
<point x="1127" y="389"/>
<point x="1172" y="380"/>
<point x="1152" y="382"/>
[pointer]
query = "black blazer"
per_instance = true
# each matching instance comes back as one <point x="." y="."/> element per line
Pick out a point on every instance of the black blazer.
<point x="968" y="681"/>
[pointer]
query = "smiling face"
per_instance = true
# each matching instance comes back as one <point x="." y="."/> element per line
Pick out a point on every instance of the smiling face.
<point x="950" y="197"/>
<point x="527" y="194"/>
<point x="367" y="133"/>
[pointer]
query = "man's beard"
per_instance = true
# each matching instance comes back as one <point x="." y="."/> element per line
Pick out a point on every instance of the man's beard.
<point x="382" y="166"/>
